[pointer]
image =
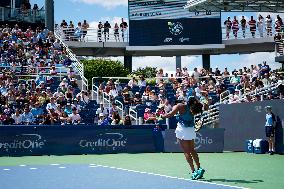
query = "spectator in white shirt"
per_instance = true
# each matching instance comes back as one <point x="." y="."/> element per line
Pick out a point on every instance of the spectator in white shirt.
<point x="196" y="75"/>
<point x="102" y="110"/>
<point x="132" y="82"/>
<point x="113" y="92"/>
<point x="51" y="105"/>
<point x="74" y="117"/>
<point x="142" y="82"/>
<point x="17" y="117"/>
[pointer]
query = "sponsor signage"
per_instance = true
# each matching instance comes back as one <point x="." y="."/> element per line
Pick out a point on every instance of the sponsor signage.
<point x="166" y="22"/>
<point x="207" y="140"/>
<point x="74" y="140"/>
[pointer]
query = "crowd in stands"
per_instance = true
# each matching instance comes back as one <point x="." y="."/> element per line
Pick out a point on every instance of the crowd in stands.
<point x="207" y="86"/>
<point x="261" y="24"/>
<point x="31" y="91"/>
<point x="104" y="32"/>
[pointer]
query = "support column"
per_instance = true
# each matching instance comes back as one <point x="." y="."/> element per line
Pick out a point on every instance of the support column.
<point x="178" y="62"/>
<point x="128" y="63"/>
<point x="206" y="61"/>
<point x="49" y="14"/>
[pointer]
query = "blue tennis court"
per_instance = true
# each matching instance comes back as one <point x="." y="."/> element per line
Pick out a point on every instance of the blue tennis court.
<point x="92" y="176"/>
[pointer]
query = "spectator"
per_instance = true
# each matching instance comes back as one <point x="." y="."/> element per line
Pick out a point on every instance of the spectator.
<point x="74" y="117"/>
<point x="266" y="80"/>
<point x="252" y="25"/>
<point x="123" y="28"/>
<point x="116" y="120"/>
<point x="137" y="99"/>
<point x="142" y="81"/>
<point x="268" y="25"/>
<point x="116" y="32"/>
<point x="37" y="112"/>
<point x="196" y="75"/>
<point x="103" y="121"/>
<point x="107" y="26"/>
<point x="132" y="82"/>
<point x="85" y="27"/>
<point x="149" y="118"/>
<point x="27" y="117"/>
<point x="244" y="26"/>
<point x="8" y="119"/>
<point x="100" y="27"/>
<point x="17" y="117"/>
<point x="127" y="120"/>
<point x="112" y="109"/>
<point x="260" y="23"/>
<point x="235" y="27"/>
<point x="102" y="110"/>
<point x="228" y="25"/>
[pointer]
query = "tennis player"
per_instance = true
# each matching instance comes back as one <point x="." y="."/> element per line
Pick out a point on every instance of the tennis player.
<point x="185" y="132"/>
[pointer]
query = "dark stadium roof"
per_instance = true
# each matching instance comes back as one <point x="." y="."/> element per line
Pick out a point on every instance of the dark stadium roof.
<point x="236" y="5"/>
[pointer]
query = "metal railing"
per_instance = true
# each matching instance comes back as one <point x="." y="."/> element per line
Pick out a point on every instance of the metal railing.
<point x="120" y="107"/>
<point x="28" y="70"/>
<point x="93" y="35"/>
<point x="21" y="15"/>
<point x="212" y="114"/>
<point x="134" y="115"/>
<point x="76" y="64"/>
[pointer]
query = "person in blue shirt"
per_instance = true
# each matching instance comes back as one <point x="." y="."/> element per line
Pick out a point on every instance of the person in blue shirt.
<point x="27" y="117"/>
<point x="265" y="69"/>
<point x="270" y="128"/>
<point x="68" y="109"/>
<point x="37" y="112"/>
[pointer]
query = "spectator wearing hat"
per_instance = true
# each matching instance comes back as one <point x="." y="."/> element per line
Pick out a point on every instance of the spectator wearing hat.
<point x="137" y="99"/>
<point x="74" y="83"/>
<point x="103" y="120"/>
<point x="149" y="118"/>
<point x="37" y="112"/>
<point x="68" y="109"/>
<point x="266" y="80"/>
<point x="270" y="128"/>
<point x="127" y="100"/>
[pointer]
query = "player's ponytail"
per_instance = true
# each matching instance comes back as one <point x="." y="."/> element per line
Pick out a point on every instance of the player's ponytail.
<point x="195" y="106"/>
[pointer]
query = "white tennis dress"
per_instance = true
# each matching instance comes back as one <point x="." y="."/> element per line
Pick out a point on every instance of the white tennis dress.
<point x="186" y="132"/>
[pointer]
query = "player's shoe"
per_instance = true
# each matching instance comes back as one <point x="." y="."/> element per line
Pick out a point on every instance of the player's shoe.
<point x="194" y="175"/>
<point x="200" y="173"/>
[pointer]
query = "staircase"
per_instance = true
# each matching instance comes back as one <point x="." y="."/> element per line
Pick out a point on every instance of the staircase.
<point x="76" y="64"/>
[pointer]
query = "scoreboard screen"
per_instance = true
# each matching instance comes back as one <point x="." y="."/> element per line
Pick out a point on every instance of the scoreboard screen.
<point x="166" y="22"/>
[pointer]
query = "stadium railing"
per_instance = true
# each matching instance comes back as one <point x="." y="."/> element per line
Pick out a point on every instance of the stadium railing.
<point x="61" y="71"/>
<point x="93" y="35"/>
<point x="78" y="66"/>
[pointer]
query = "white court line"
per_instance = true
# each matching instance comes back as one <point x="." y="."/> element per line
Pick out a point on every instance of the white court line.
<point x="54" y="164"/>
<point x="93" y="166"/>
<point x="6" y="169"/>
<point x="33" y="168"/>
<point x="22" y="165"/>
<point x="171" y="177"/>
<point x="62" y="167"/>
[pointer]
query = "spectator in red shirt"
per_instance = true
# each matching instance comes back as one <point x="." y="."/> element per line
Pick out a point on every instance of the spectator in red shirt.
<point x="252" y="26"/>
<point x="235" y="27"/>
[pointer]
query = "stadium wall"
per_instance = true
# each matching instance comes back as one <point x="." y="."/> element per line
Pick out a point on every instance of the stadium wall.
<point x="246" y="121"/>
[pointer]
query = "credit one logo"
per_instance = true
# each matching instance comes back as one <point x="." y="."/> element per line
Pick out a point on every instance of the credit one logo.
<point x="24" y="141"/>
<point x="108" y="140"/>
<point x="200" y="140"/>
